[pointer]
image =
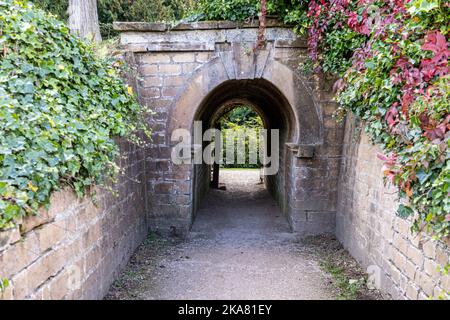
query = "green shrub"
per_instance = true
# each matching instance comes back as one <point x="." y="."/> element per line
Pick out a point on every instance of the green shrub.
<point x="233" y="10"/>
<point x="125" y="10"/>
<point x="234" y="122"/>
<point x="60" y="108"/>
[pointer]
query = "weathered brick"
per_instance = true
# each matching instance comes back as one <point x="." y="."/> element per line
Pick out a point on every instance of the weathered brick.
<point x="92" y="235"/>
<point x="412" y="291"/>
<point x="425" y="282"/>
<point x="50" y="235"/>
<point x="37" y="273"/>
<point x="189" y="67"/>
<point x="402" y="226"/>
<point x="93" y="257"/>
<point x="442" y="256"/>
<point x="10" y="236"/>
<point x="416" y="256"/>
<point x="17" y="257"/>
<point x="202" y="57"/>
<point x="61" y="201"/>
<point x="400" y="243"/>
<point x="410" y="270"/>
<point x="32" y="221"/>
<point x="169" y="69"/>
<point x="445" y="283"/>
<point x="399" y="260"/>
<point x="152" y="92"/>
<point x="429" y="249"/>
<point x="432" y="268"/>
<point x="164" y="187"/>
<point x="184" y="57"/>
<point x="156" y="58"/>
<point x="153" y="81"/>
<point x="147" y="70"/>
<point x="174" y="81"/>
<point x="170" y="91"/>
<point x="59" y="286"/>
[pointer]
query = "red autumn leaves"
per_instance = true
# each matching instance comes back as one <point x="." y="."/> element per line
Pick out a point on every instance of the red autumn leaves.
<point x="438" y="64"/>
<point x="416" y="79"/>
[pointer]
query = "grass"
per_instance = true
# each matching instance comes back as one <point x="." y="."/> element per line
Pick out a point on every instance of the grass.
<point x="348" y="289"/>
<point x="348" y="279"/>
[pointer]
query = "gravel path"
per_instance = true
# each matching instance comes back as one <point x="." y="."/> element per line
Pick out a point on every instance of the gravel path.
<point x="240" y="247"/>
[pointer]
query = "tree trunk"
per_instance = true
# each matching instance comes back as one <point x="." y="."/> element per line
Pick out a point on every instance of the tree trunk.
<point x="262" y="26"/>
<point x="83" y="19"/>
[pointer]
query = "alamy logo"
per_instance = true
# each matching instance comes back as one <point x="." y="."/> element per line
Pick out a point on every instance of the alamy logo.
<point x="241" y="146"/>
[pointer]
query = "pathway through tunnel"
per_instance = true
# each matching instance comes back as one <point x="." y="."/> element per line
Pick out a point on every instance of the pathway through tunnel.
<point x="241" y="209"/>
<point x="240" y="247"/>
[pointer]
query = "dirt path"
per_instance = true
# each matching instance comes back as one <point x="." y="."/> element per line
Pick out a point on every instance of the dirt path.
<point x="240" y="247"/>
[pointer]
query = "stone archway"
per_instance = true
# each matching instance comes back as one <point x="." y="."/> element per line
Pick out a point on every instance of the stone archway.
<point x="191" y="70"/>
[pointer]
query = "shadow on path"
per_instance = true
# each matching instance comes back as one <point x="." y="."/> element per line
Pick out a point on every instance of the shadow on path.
<point x="240" y="247"/>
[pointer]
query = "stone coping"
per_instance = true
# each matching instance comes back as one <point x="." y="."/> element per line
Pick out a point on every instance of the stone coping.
<point x="200" y="25"/>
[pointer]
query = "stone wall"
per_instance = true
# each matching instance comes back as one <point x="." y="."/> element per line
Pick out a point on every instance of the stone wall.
<point x="77" y="248"/>
<point x="187" y="72"/>
<point x="407" y="264"/>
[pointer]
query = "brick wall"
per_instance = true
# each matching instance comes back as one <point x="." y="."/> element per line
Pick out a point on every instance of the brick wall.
<point x="369" y="228"/>
<point x="76" y="248"/>
<point x="188" y="72"/>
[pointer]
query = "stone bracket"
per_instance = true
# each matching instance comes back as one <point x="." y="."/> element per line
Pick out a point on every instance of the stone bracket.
<point x="301" y="151"/>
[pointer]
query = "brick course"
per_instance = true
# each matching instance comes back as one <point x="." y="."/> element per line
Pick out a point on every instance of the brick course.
<point x="409" y="262"/>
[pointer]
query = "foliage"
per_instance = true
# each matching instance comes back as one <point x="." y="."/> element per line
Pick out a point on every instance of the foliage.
<point x="238" y="119"/>
<point x="392" y="60"/>
<point x="399" y="84"/>
<point x="125" y="10"/>
<point x="60" y="108"/>
<point x="241" y="116"/>
<point x="4" y="283"/>
<point x="348" y="289"/>
<point x="233" y="10"/>
<point x="57" y="7"/>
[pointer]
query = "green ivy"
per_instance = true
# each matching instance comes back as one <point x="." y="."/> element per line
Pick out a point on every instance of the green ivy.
<point x="60" y="108"/>
<point x="386" y="56"/>
<point x="419" y="165"/>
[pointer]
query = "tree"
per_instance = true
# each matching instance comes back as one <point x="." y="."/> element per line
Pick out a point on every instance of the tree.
<point x="83" y="19"/>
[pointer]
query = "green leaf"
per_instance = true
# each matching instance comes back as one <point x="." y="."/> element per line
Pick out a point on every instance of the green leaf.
<point x="404" y="211"/>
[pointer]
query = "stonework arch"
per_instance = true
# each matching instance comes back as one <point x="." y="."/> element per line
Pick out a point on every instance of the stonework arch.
<point x="189" y="71"/>
<point x="308" y="123"/>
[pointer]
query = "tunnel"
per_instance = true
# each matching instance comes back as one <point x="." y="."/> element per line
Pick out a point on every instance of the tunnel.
<point x="275" y="112"/>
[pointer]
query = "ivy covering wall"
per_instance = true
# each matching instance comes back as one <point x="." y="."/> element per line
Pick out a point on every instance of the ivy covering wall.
<point x="61" y="106"/>
<point x="390" y="58"/>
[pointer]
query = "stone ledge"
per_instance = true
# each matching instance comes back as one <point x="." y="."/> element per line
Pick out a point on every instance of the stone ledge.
<point x="200" y="25"/>
<point x="169" y="47"/>
<point x="297" y="43"/>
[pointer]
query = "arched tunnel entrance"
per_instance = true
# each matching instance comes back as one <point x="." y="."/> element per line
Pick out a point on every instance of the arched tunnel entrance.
<point x="276" y="114"/>
<point x="189" y="82"/>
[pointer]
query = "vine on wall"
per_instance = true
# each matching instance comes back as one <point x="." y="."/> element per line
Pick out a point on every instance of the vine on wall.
<point x="391" y="58"/>
<point x="397" y="81"/>
<point x="60" y="108"/>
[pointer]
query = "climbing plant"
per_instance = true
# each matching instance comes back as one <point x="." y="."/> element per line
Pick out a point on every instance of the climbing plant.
<point x="396" y="80"/>
<point x="60" y="108"/>
<point x="391" y="61"/>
